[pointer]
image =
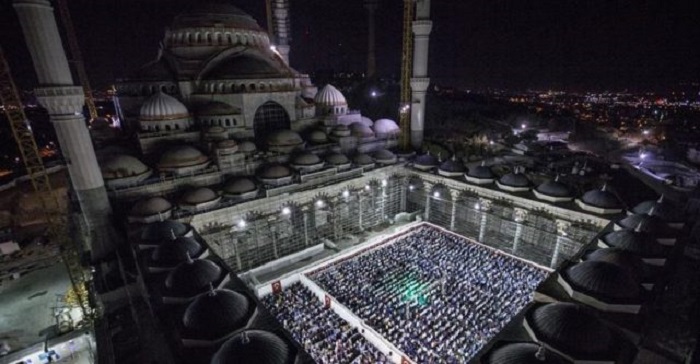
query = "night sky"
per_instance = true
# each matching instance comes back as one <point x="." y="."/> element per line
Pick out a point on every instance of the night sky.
<point x="571" y="45"/>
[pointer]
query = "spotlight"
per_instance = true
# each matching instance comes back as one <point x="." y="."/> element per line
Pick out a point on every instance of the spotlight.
<point x="384" y="183"/>
<point x="319" y="203"/>
<point x="411" y="187"/>
<point x="477" y="206"/>
<point x="241" y="224"/>
<point x="286" y="211"/>
<point x="436" y="194"/>
<point x="346" y="193"/>
<point x="367" y="187"/>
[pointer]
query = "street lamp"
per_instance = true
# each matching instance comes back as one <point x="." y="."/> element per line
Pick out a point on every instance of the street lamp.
<point x="286" y="211"/>
<point x="346" y="193"/>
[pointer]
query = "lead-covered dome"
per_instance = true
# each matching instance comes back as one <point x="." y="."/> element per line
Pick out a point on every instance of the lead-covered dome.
<point x="161" y="107"/>
<point x="602" y="198"/>
<point x="275" y="170"/>
<point x="192" y="277"/>
<point x="240" y="185"/>
<point x="123" y="166"/>
<point x="633" y="241"/>
<point x="554" y="188"/>
<point x="384" y="157"/>
<point x="523" y="353"/>
<point x="363" y="160"/>
<point x="425" y="161"/>
<point x="284" y="141"/>
<point x="151" y="206"/>
<point x="181" y="156"/>
<point x="318" y="137"/>
<point x="253" y="347"/>
<point x="163" y="230"/>
<point x="514" y="180"/>
<point x="215" y="14"/>
<point x="572" y="329"/>
<point x="452" y="168"/>
<point x="605" y="281"/>
<point x="199" y="196"/>
<point x="216" y="313"/>
<point x="361" y="130"/>
<point x="338" y="160"/>
<point x="341" y="131"/>
<point x="173" y="252"/>
<point x="385" y="128"/>
<point x="217" y="108"/>
<point x="662" y="208"/>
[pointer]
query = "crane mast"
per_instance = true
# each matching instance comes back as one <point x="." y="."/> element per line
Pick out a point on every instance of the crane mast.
<point x="57" y="229"/>
<point x="406" y="68"/>
<point x="77" y="57"/>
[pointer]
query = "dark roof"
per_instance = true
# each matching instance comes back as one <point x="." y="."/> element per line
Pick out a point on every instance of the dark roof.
<point x="193" y="277"/>
<point x="253" y="347"/>
<point x="554" y="188"/>
<point x="176" y="251"/>
<point x="630" y="261"/>
<point x="522" y="353"/>
<point x="216" y="313"/>
<point x="634" y="242"/>
<point x="163" y="230"/>
<point x="484" y="172"/>
<point x="602" y="198"/>
<point x="515" y="180"/>
<point x="572" y="329"/>
<point x="645" y="223"/>
<point x="452" y="165"/>
<point x="665" y="210"/>
<point x="605" y="281"/>
<point x="426" y="160"/>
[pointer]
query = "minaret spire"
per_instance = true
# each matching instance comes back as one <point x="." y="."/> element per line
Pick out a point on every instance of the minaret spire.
<point x="422" y="27"/>
<point x="371" y="6"/>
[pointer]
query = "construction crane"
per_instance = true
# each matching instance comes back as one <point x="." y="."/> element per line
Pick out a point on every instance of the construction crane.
<point x="406" y="69"/>
<point x="77" y="57"/>
<point x="57" y="229"/>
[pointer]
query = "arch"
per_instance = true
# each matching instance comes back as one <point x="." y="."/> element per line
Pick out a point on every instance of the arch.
<point x="252" y="87"/>
<point x="227" y="122"/>
<point x="415" y="194"/>
<point x="209" y="38"/>
<point x="440" y="205"/>
<point x="177" y="126"/>
<point x="229" y="40"/>
<point x="197" y="38"/>
<point x="269" y="117"/>
<point x="468" y="215"/>
<point x="217" y="38"/>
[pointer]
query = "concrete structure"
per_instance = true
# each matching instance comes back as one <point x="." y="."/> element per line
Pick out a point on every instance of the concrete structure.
<point x="420" y="81"/>
<point x="64" y="102"/>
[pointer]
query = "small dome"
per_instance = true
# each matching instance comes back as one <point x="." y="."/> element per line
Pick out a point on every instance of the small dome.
<point x="554" y="188"/>
<point x="633" y="241"/>
<point x="523" y="353"/>
<point x="330" y="96"/>
<point x="306" y="159"/>
<point x="644" y="223"/>
<point x="121" y="166"/>
<point x="384" y="156"/>
<point x="181" y="156"/>
<point x="481" y="171"/>
<point x="386" y="127"/>
<point x="570" y="328"/>
<point x="216" y="130"/>
<point x="247" y="146"/>
<point x="239" y="185"/>
<point x="284" y="138"/>
<point x="515" y="180"/>
<point x="163" y="230"/>
<point x="318" y="137"/>
<point x="196" y="196"/>
<point x="176" y="251"/>
<point x="162" y="106"/>
<point x="624" y="259"/>
<point x="337" y="159"/>
<point x="151" y="206"/>
<point x="602" y="198"/>
<point x="253" y="347"/>
<point x="217" y="313"/>
<point x="426" y="160"/>
<point x="603" y="280"/>
<point x="452" y="165"/>
<point x="665" y="210"/>
<point x="367" y="121"/>
<point x="341" y="130"/>
<point x="362" y="159"/>
<point x="275" y="170"/>
<point x="193" y="276"/>
<point x="361" y="130"/>
<point x="217" y="108"/>
<point x="229" y="146"/>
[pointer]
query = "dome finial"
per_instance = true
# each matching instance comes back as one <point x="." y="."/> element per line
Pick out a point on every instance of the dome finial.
<point x="638" y="229"/>
<point x="541" y="354"/>
<point x="556" y="179"/>
<point x="605" y="187"/>
<point x="189" y="258"/>
<point x="651" y="211"/>
<point x="661" y="199"/>
<point x="244" y="338"/>
<point x="172" y="234"/>
<point x="212" y="291"/>
<point x="483" y="163"/>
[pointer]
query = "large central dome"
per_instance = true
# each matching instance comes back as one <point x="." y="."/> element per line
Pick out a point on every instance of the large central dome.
<point x="215" y="13"/>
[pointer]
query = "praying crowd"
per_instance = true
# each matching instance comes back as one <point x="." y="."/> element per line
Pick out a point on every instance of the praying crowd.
<point x="434" y="295"/>
<point x="323" y="334"/>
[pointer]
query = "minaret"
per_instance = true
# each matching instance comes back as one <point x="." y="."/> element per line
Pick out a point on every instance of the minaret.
<point x="371" y="6"/>
<point x="420" y="81"/>
<point x="64" y="102"/>
<point x="280" y="12"/>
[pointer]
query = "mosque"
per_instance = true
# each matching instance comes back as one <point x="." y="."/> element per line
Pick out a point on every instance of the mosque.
<point x="238" y="168"/>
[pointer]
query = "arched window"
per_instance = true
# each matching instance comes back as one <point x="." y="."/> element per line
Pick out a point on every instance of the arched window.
<point x="167" y="128"/>
<point x="252" y="87"/>
<point x="235" y="122"/>
<point x="228" y="38"/>
<point x="177" y="126"/>
<point x="209" y="40"/>
<point x="197" y="38"/>
<point x="269" y="117"/>
<point x="228" y="122"/>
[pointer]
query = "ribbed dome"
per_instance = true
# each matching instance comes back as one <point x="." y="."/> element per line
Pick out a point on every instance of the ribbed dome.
<point x="384" y="156"/>
<point x="217" y="313"/>
<point x="121" y="166"/>
<point x="163" y="230"/>
<point x="306" y="159"/>
<point x="452" y="166"/>
<point x="181" y="156"/>
<point x="386" y="127"/>
<point x="318" y="137"/>
<point x="253" y="347"/>
<point x="215" y="14"/>
<point x="276" y="170"/>
<point x="341" y="131"/>
<point x="634" y="242"/>
<point x="603" y="280"/>
<point x="193" y="277"/>
<point x="522" y="353"/>
<point x="426" y="160"/>
<point x="198" y="196"/>
<point x="602" y="198"/>
<point x="554" y="188"/>
<point x="284" y="138"/>
<point x="176" y="251"/>
<point x="247" y="147"/>
<point x="361" y="130"/>
<point x="239" y="185"/>
<point x="644" y="223"/>
<point x="151" y="206"/>
<point x="162" y="106"/>
<point x="337" y="159"/>
<point x="362" y="159"/>
<point x="330" y="96"/>
<point x="515" y="180"/>
<point x="482" y="171"/>
<point x="217" y="108"/>
<point x="571" y="328"/>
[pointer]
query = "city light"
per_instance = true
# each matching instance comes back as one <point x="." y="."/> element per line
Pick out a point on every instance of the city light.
<point x="367" y="187"/>
<point x="436" y="194"/>
<point x="645" y="132"/>
<point x="319" y="203"/>
<point x="346" y="193"/>
<point x="523" y="126"/>
<point x="374" y="93"/>
<point x="384" y="183"/>
<point x="286" y="211"/>
<point x="241" y="224"/>
<point x="411" y="187"/>
<point x="476" y="206"/>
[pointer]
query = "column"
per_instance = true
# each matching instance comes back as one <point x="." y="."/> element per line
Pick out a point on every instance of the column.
<point x="403" y="195"/>
<point x="453" y="215"/>
<point x="562" y="233"/>
<point x="359" y="213"/>
<point x="420" y="81"/>
<point x="519" y="216"/>
<point x="484" y="207"/>
<point x="427" y="205"/>
<point x="306" y="229"/>
<point x="273" y="233"/>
